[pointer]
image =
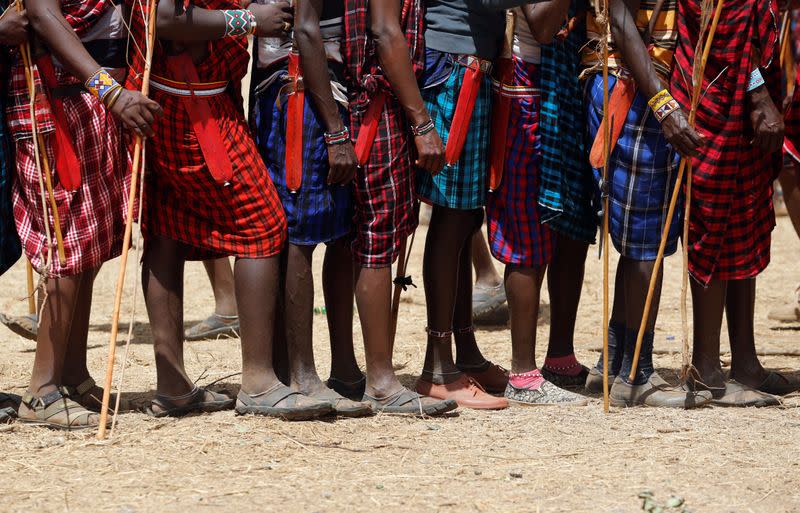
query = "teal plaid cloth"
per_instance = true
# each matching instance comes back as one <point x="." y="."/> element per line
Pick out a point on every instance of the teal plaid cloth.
<point x="463" y="185"/>
<point x="567" y="188"/>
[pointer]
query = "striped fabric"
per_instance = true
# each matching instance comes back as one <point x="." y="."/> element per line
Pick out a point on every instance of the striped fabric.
<point x="516" y="235"/>
<point x="463" y="185"/>
<point x="661" y="46"/>
<point x="318" y="212"/>
<point x="641" y="172"/>
<point x="567" y="189"/>
<point x="732" y="215"/>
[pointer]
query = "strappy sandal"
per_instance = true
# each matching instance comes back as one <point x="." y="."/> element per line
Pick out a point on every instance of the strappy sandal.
<point x="214" y="326"/>
<point x="342" y="406"/>
<point x="778" y="384"/>
<point x="88" y="395"/>
<point x="353" y="391"/>
<point x="26" y="326"/>
<point x="298" y="406"/>
<point x="197" y="403"/>
<point x="56" y="410"/>
<point x="406" y="402"/>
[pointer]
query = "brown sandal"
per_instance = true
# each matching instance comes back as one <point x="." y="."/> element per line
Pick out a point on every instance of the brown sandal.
<point x="56" y="410"/>
<point x="88" y="395"/>
<point x="196" y="403"/>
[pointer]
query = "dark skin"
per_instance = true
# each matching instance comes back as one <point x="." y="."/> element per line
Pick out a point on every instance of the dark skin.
<point x="13" y="27"/>
<point x="256" y="279"/>
<point x="338" y="274"/>
<point x="373" y="286"/>
<point x="564" y="283"/>
<point x="134" y="110"/>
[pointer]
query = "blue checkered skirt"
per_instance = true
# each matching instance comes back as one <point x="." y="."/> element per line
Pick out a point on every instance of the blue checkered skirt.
<point x="463" y="185"/>
<point x="318" y="212"/>
<point x="643" y="168"/>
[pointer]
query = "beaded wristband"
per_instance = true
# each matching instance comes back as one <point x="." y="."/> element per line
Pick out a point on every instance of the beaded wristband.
<point x="101" y="84"/>
<point x="666" y="109"/>
<point x="756" y="80"/>
<point x="423" y="128"/>
<point x="659" y="99"/>
<point x="238" y="22"/>
<point x="340" y="137"/>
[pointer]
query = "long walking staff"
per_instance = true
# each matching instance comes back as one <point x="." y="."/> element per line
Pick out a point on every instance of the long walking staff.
<point x="401" y="281"/>
<point x="605" y="23"/>
<point x="31" y="290"/>
<point x="38" y="142"/>
<point x="697" y="79"/>
<point x="126" y="241"/>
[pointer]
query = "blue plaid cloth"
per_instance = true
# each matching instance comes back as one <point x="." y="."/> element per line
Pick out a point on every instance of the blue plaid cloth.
<point x="567" y="189"/>
<point x="10" y="246"/>
<point x="463" y="185"/>
<point x="642" y="171"/>
<point x="318" y="212"/>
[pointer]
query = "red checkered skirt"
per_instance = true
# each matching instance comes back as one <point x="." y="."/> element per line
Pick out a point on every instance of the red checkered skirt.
<point x="92" y="217"/>
<point x="184" y="202"/>
<point x="731" y="213"/>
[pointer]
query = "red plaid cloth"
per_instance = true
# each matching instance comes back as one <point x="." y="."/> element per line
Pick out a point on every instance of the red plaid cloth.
<point x="83" y="14"/>
<point x="384" y="187"/>
<point x="732" y="214"/>
<point x="93" y="217"/>
<point x="184" y="202"/>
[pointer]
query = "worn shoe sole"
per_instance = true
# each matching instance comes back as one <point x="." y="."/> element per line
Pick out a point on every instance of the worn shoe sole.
<point x="291" y="414"/>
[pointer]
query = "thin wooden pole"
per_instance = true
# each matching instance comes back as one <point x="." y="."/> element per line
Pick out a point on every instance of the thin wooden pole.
<point x="126" y="241"/>
<point x="25" y="52"/>
<point x="31" y="291"/>
<point x="605" y="193"/>
<point x="697" y="88"/>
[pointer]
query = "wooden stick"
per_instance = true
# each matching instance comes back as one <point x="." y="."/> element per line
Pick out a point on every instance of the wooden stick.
<point x="402" y="266"/>
<point x="697" y="87"/>
<point x="25" y="52"/>
<point x="785" y="39"/>
<point x="126" y="241"/>
<point x="606" y="147"/>
<point x="685" y="278"/>
<point x="31" y="291"/>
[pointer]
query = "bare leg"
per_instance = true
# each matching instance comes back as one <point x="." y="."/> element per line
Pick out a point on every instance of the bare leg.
<point x="486" y="275"/>
<point x="565" y="282"/>
<point x="637" y="282"/>
<point x="523" y="285"/>
<point x="449" y="234"/>
<point x="220" y="275"/>
<point x="256" y="298"/>
<point x="708" y="305"/>
<point x="75" y="369"/>
<point x="739" y="309"/>
<point x="337" y="286"/>
<point x="373" y="291"/>
<point x="791" y="194"/>
<point x="468" y="354"/>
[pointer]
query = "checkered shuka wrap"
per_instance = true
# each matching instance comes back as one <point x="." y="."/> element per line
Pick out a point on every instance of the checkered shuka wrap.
<point x="732" y="216"/>
<point x="92" y="217"/>
<point x="183" y="201"/>
<point x="384" y="187"/>
<point x="642" y="170"/>
<point x="463" y="185"/>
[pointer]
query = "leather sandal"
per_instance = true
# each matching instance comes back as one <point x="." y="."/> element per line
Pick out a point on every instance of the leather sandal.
<point x="342" y="406"/>
<point x="214" y="326"/>
<point x="778" y="384"/>
<point x="88" y="395"/>
<point x="406" y="402"/>
<point x="353" y="391"/>
<point x="26" y="326"/>
<point x="297" y="406"/>
<point x="56" y="410"/>
<point x="196" y="402"/>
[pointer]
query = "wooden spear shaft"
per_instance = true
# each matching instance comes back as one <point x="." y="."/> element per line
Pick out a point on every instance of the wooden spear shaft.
<point x="25" y="51"/>
<point x="606" y="146"/>
<point x="697" y="89"/>
<point x="31" y="291"/>
<point x="126" y="241"/>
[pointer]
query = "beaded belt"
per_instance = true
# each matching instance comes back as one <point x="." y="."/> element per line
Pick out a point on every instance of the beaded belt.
<point x="176" y="88"/>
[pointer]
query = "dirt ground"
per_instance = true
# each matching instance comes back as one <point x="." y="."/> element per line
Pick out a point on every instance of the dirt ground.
<point x="719" y="460"/>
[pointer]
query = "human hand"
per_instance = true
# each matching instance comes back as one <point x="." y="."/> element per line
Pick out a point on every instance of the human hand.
<point x="274" y="20"/>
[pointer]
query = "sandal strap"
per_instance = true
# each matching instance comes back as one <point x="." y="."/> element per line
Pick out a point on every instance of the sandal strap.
<point x="86" y="386"/>
<point x="167" y="402"/>
<point x="274" y="395"/>
<point x="40" y="403"/>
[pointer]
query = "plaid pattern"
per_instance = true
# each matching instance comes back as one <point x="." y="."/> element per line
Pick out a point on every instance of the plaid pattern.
<point x="732" y="214"/>
<point x="318" y="212"/>
<point x="83" y="14"/>
<point x="384" y="187"/>
<point x="93" y="217"/>
<point x="642" y="171"/>
<point x="463" y="185"/>
<point x="184" y="202"/>
<point x="567" y="190"/>
<point x="516" y="234"/>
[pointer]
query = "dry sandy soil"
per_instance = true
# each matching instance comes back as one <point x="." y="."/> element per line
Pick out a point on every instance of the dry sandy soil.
<point x="719" y="460"/>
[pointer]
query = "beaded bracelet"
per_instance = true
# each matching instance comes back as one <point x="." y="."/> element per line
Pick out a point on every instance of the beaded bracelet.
<point x="423" y="128"/>
<point x="239" y="22"/>
<point x="663" y="104"/>
<point x="756" y="80"/>
<point x="340" y="137"/>
<point x="101" y="84"/>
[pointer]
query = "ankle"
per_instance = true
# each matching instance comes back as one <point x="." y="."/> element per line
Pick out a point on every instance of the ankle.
<point x="530" y="380"/>
<point x="563" y="365"/>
